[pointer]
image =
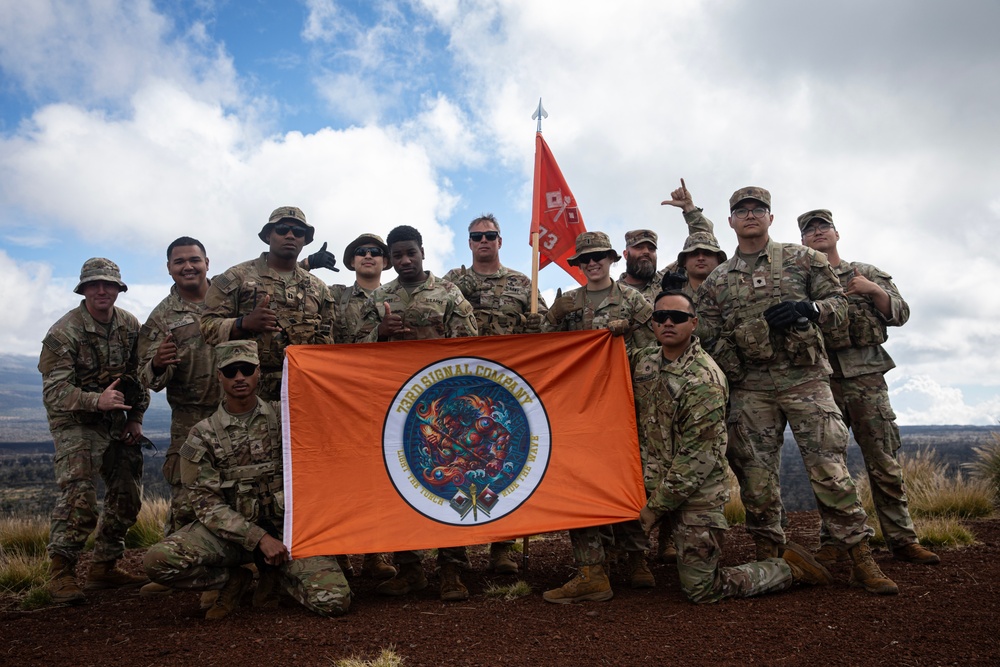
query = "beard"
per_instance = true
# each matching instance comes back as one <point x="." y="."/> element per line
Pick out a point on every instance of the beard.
<point x="640" y="269"/>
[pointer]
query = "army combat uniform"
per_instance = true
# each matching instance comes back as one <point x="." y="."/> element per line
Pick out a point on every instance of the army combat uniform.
<point x="231" y="466"/>
<point x="859" y="365"/>
<point x="433" y="309"/>
<point x="350" y="306"/>
<point x="501" y="300"/>
<point x="192" y="388"/>
<point x="621" y="303"/>
<point x="778" y="377"/>
<point x="696" y="222"/>
<point x="80" y="358"/>
<point x="303" y="304"/>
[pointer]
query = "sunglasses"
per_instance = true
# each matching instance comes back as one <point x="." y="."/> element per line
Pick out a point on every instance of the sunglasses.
<point x="246" y="369"/>
<point x="281" y="229"/>
<point x="589" y="257"/>
<point x="478" y="236"/>
<point x="675" y="316"/>
<point x="374" y="252"/>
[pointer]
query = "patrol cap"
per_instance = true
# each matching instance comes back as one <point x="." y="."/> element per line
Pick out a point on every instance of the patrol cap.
<point x="236" y="351"/>
<point x="592" y="242"/>
<point x="637" y="236"/>
<point x="820" y="213"/>
<point x="98" y="268"/>
<point x="700" y="241"/>
<point x="750" y="192"/>
<point x="365" y="239"/>
<point x="287" y="213"/>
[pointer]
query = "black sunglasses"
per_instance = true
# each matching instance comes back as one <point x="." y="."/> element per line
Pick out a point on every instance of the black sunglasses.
<point x="675" y="316"/>
<point x="366" y="250"/>
<point x="478" y="236"/>
<point x="230" y="371"/>
<point x="588" y="257"/>
<point x="281" y="229"/>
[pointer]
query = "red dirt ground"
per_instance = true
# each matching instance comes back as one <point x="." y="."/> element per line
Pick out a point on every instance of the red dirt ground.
<point x="944" y="615"/>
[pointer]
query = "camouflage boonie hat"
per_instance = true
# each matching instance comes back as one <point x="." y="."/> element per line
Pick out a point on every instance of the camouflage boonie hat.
<point x="236" y="351"/>
<point x="637" y="236"/>
<point x="750" y="192"/>
<point x="365" y="239"/>
<point x="808" y="216"/>
<point x="701" y="241"/>
<point x="593" y="242"/>
<point x="287" y="213"/>
<point x="98" y="268"/>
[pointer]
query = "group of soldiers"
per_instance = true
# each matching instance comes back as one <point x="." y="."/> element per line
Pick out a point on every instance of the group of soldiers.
<point x="724" y="352"/>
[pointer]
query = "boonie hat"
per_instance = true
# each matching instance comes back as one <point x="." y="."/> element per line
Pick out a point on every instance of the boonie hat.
<point x="365" y="239"/>
<point x="808" y="216"/>
<point x="287" y="213"/>
<point x="592" y="242"/>
<point x="750" y="192"/>
<point x="637" y="236"/>
<point x="98" y="268"/>
<point x="235" y="351"/>
<point x="701" y="241"/>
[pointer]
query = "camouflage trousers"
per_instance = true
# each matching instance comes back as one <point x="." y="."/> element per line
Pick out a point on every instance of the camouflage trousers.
<point x="591" y="544"/>
<point x="456" y="555"/>
<point x="757" y="421"/>
<point x="864" y="401"/>
<point x="82" y="452"/>
<point x="699" y="536"/>
<point x="194" y="558"/>
<point x="182" y="419"/>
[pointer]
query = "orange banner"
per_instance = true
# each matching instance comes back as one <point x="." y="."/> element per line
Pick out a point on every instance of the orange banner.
<point x="554" y="213"/>
<point x="451" y="442"/>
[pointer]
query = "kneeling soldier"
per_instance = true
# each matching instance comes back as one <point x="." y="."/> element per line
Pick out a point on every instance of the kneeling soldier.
<point x="231" y="466"/>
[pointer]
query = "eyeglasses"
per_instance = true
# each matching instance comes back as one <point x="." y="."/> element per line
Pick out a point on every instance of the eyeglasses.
<point x="589" y="257"/>
<point x="246" y="369"/>
<point x="476" y="237"/>
<point x="675" y="316"/>
<point x="744" y="213"/>
<point x="374" y="252"/>
<point x="818" y="227"/>
<point x="281" y="229"/>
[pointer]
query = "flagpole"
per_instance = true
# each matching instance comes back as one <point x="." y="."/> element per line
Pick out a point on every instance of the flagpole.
<point x="539" y="114"/>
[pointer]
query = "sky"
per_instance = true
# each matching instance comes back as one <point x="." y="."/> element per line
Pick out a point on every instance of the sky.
<point x="125" y="124"/>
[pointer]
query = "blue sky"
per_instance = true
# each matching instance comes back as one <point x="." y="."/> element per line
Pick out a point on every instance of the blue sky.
<point x="126" y="124"/>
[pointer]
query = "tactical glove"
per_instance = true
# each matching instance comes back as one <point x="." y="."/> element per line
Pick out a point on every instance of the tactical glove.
<point x="561" y="307"/>
<point x="619" y="327"/>
<point x="674" y="280"/>
<point x="785" y="314"/>
<point x="533" y="323"/>
<point x="322" y="259"/>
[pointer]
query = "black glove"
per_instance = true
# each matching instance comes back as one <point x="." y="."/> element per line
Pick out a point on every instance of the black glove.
<point x="785" y="314"/>
<point x="674" y="280"/>
<point x="321" y="259"/>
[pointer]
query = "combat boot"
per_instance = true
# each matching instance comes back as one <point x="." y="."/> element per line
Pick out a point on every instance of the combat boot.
<point x="153" y="589"/>
<point x="866" y="573"/>
<point x="231" y="594"/>
<point x="105" y="574"/>
<point x="500" y="560"/>
<point x="62" y="586"/>
<point x="207" y="599"/>
<point x="805" y="568"/>
<point x="914" y="553"/>
<point x="409" y="579"/>
<point x="590" y="584"/>
<point x="830" y="555"/>
<point x="639" y="574"/>
<point x="345" y="565"/>
<point x="374" y="566"/>
<point x="766" y="548"/>
<point x="665" y="549"/>
<point x="452" y="588"/>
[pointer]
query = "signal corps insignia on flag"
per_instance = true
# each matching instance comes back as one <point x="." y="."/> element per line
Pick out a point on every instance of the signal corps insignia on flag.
<point x="466" y="441"/>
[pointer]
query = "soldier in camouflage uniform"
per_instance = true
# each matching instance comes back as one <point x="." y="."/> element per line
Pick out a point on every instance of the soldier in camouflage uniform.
<point x="94" y="403"/>
<point x="174" y="356"/>
<point x="418" y="306"/>
<point x="604" y="303"/>
<point x="859" y="365"/>
<point x="231" y="465"/>
<point x="501" y="299"/>
<point x="761" y="311"/>
<point x="700" y="248"/>
<point x="272" y="299"/>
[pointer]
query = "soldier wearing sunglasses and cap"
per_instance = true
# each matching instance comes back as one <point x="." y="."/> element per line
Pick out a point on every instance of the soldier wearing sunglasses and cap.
<point x="272" y="299"/>
<point x="94" y="403"/>
<point x="368" y="257"/>
<point x="762" y="311"/>
<point x="859" y="365"/>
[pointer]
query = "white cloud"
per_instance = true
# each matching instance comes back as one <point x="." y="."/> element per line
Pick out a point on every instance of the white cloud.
<point x="920" y="400"/>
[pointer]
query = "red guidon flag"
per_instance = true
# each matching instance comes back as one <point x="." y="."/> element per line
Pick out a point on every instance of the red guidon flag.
<point x="554" y="213"/>
<point x="451" y="442"/>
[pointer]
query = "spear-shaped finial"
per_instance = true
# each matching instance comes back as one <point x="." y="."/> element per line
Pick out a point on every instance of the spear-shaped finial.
<point x="539" y="114"/>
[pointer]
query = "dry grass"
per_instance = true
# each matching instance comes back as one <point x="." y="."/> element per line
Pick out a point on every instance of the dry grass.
<point x="388" y="658"/>
<point x="148" y="528"/>
<point x="986" y="465"/>
<point x="21" y="572"/>
<point x="518" y="589"/>
<point x="734" y="510"/>
<point x="23" y="535"/>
